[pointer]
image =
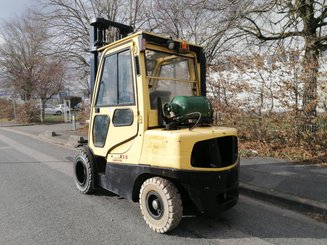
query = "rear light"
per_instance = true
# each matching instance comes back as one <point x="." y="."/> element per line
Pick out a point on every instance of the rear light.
<point x="184" y="48"/>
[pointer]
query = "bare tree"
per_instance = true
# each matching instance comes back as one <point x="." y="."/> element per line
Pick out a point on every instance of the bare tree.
<point x="294" y="23"/>
<point x="27" y="67"/>
<point x="19" y="60"/>
<point x="203" y="22"/>
<point x="69" y="22"/>
<point x="51" y="79"/>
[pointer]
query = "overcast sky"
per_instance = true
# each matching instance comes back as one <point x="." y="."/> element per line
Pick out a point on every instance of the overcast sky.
<point x="10" y="9"/>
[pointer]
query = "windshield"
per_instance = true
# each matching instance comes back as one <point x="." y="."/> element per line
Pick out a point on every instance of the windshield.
<point x="169" y="75"/>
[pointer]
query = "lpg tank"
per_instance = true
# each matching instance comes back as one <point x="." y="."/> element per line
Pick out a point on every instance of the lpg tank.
<point x="185" y="108"/>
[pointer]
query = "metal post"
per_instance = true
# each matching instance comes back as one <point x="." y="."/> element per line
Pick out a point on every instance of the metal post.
<point x="73" y="119"/>
<point x="14" y="102"/>
<point x="41" y="111"/>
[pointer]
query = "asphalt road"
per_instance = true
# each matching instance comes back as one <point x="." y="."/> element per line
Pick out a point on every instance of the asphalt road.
<point x="39" y="204"/>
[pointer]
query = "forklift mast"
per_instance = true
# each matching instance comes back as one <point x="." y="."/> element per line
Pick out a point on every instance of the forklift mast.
<point x="99" y="28"/>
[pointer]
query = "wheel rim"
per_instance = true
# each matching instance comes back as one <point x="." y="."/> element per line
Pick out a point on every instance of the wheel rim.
<point x="80" y="173"/>
<point x="154" y="205"/>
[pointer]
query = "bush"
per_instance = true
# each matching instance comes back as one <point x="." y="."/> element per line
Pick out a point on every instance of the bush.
<point x="28" y="113"/>
<point x="6" y="110"/>
<point x="279" y="135"/>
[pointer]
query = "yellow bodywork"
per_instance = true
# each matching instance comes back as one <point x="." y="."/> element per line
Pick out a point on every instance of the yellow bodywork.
<point x="141" y="142"/>
<point x="173" y="149"/>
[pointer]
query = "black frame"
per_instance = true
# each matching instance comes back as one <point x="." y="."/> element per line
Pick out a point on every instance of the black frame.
<point x="210" y="191"/>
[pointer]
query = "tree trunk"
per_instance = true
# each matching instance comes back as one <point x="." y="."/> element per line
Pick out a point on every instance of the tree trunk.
<point x="42" y="114"/>
<point x="310" y="74"/>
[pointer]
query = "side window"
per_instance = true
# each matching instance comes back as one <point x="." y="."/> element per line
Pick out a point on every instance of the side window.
<point x="100" y="130"/>
<point x="122" y="117"/>
<point x="125" y="79"/>
<point x="116" y="84"/>
<point x="107" y="94"/>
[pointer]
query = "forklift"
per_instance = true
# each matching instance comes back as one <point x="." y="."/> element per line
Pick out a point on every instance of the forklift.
<point x="151" y="137"/>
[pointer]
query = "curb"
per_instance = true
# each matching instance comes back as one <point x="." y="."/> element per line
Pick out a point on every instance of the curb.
<point x="49" y="136"/>
<point x="11" y="125"/>
<point x="289" y="201"/>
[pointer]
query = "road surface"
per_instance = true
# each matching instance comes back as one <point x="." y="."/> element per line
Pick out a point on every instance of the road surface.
<point x="39" y="204"/>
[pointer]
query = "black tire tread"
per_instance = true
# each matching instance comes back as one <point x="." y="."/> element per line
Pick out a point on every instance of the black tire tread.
<point x="89" y="186"/>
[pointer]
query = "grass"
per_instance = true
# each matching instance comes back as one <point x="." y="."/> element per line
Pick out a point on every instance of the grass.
<point x="53" y="119"/>
<point x="4" y="120"/>
<point x="60" y="119"/>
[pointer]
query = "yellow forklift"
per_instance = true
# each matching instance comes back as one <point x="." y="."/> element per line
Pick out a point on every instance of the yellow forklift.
<point x="151" y="138"/>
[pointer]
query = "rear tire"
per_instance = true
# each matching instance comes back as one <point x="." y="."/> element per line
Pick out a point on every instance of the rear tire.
<point x="160" y="204"/>
<point x="84" y="172"/>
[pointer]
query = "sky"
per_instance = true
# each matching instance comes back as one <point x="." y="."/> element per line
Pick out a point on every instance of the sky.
<point x="10" y="9"/>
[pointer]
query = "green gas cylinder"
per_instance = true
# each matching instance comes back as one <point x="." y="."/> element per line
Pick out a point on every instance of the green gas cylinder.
<point x="182" y="108"/>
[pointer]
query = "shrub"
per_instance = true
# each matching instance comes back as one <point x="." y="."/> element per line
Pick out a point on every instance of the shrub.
<point x="6" y="109"/>
<point x="28" y="113"/>
<point x="279" y="135"/>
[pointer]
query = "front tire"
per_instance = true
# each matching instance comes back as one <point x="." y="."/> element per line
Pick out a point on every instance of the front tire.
<point x="84" y="172"/>
<point x="160" y="204"/>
